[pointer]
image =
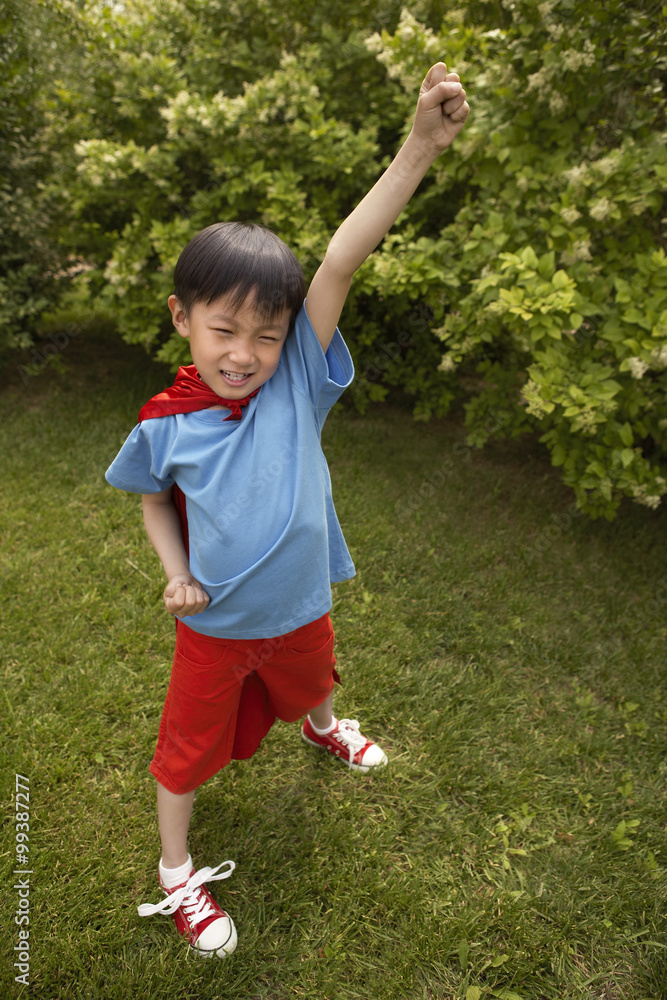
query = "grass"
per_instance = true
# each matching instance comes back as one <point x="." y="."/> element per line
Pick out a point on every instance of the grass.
<point x="508" y="654"/>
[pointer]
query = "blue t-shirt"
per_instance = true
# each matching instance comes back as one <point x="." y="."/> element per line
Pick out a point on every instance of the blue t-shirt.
<point x="265" y="541"/>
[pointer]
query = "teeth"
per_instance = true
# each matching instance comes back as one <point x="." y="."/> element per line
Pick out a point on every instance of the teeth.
<point x="235" y="375"/>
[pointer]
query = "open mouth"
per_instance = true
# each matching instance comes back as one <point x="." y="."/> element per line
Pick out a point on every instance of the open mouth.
<point x="236" y="378"/>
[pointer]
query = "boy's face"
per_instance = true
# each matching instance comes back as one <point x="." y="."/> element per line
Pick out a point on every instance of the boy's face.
<point x="235" y="350"/>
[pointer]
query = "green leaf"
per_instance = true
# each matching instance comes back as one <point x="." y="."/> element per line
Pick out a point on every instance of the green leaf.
<point x="625" y="434"/>
<point x="558" y="455"/>
<point x="547" y="264"/>
<point x="607" y="389"/>
<point x="529" y="257"/>
<point x="499" y="960"/>
<point x="473" y="993"/>
<point x="637" y="318"/>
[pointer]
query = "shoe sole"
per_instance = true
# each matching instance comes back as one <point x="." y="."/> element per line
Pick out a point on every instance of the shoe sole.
<point x="364" y="768"/>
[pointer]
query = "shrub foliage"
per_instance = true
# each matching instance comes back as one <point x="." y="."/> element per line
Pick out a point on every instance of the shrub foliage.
<point x="527" y="279"/>
<point x="30" y="258"/>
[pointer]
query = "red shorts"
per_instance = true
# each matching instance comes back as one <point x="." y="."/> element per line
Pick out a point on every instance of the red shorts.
<point x="225" y="694"/>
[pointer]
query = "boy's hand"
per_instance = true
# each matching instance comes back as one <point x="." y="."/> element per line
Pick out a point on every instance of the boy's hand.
<point x="442" y="108"/>
<point x="184" y="595"/>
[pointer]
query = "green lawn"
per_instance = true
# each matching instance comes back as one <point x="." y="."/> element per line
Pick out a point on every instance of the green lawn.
<point x="507" y="654"/>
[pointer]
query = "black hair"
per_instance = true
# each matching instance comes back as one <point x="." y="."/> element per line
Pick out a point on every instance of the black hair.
<point x="239" y="259"/>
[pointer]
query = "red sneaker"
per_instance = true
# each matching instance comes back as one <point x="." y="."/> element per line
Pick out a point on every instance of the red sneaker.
<point x="209" y="930"/>
<point x="347" y="744"/>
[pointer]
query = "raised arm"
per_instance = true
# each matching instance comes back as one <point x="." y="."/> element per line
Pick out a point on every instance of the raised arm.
<point x="441" y="113"/>
<point x="183" y="595"/>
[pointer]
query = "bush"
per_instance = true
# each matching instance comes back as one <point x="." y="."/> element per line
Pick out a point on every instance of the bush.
<point x="526" y="279"/>
<point x="549" y="288"/>
<point x="27" y="258"/>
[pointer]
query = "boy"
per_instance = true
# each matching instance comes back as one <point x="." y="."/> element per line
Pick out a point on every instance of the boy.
<point x="238" y="504"/>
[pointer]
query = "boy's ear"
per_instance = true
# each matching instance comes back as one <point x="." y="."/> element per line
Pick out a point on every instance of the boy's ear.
<point x="179" y="316"/>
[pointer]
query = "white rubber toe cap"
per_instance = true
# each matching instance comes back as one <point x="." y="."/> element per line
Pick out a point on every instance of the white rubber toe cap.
<point x="218" y="939"/>
<point x="374" y="757"/>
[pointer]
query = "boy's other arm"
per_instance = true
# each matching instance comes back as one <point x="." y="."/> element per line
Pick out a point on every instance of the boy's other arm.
<point x="183" y="595"/>
<point x="441" y="113"/>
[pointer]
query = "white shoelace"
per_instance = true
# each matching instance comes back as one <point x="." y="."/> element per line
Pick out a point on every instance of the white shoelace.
<point x="195" y="904"/>
<point x="349" y="735"/>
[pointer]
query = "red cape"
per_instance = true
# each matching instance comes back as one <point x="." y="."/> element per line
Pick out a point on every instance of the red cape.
<point x="189" y="393"/>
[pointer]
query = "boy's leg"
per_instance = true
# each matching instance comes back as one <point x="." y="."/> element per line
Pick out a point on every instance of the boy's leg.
<point x="297" y="674"/>
<point x="322" y="715"/>
<point x="174" y="812"/>
<point x="195" y="741"/>
<point x="207" y="927"/>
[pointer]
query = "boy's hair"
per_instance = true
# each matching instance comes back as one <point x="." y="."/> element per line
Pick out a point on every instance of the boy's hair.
<point x="239" y="259"/>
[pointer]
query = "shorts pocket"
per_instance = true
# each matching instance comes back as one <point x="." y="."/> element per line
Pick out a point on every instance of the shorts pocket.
<point x="311" y="638"/>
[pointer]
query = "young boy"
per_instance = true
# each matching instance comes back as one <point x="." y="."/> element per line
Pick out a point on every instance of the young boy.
<point x="237" y="503"/>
